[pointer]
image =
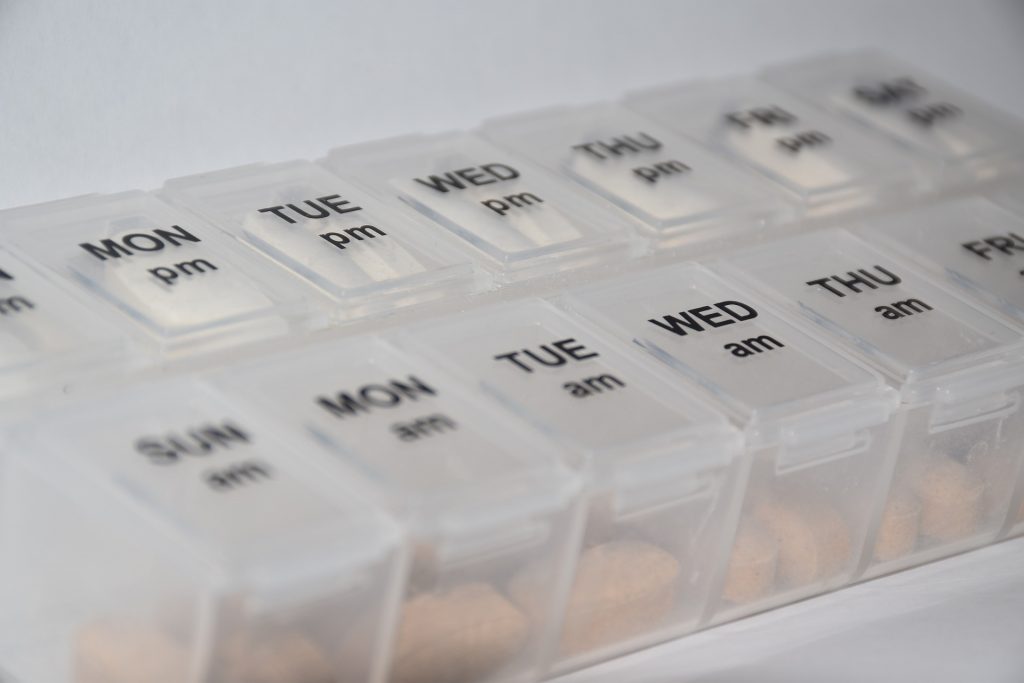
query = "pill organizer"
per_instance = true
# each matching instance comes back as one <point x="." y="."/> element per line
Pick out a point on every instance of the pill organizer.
<point x="495" y="405"/>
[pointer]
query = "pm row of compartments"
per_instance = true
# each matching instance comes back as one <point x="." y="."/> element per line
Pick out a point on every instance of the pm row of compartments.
<point x="517" y="490"/>
<point x="416" y="220"/>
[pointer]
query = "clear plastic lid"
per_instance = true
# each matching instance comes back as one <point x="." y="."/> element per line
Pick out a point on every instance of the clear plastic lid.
<point x="565" y="377"/>
<point x="672" y="184"/>
<point x="773" y="379"/>
<point x="827" y="163"/>
<point x="908" y="327"/>
<point x="521" y="218"/>
<point x="971" y="242"/>
<point x="46" y="333"/>
<point x="367" y="256"/>
<point x="174" y="275"/>
<point x="910" y="106"/>
<point x="438" y="456"/>
<point x="164" y="535"/>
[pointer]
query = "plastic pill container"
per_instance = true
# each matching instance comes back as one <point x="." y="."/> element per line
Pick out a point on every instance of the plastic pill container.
<point x="163" y="535"/>
<point x="958" y="369"/>
<point x="662" y="469"/>
<point x="817" y="427"/>
<point x="484" y="499"/>
<point x="519" y="219"/>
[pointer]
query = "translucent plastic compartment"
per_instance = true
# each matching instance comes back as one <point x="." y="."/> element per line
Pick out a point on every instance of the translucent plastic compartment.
<point x="484" y="497"/>
<point x="960" y="135"/>
<point x="817" y="425"/>
<point x="827" y="164"/>
<point x="179" y="280"/>
<point x="959" y="372"/>
<point x="970" y="242"/>
<point x="523" y="220"/>
<point x="164" y="536"/>
<point x="663" y="469"/>
<point x="679" y="190"/>
<point x="365" y="255"/>
<point x="47" y="335"/>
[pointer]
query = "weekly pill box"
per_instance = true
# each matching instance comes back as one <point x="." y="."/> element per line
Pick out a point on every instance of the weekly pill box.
<point x="962" y="138"/>
<point x="817" y="426"/>
<point x="679" y="190"/>
<point x="485" y="500"/>
<point x="367" y="256"/>
<point x="958" y="369"/>
<point x="825" y="163"/>
<point x="173" y="277"/>
<point x="48" y="337"/>
<point x="521" y="220"/>
<point x="165" y="535"/>
<point x="663" y="468"/>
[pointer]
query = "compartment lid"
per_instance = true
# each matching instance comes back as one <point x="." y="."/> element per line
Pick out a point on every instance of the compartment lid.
<point x="520" y="217"/>
<point x="907" y="104"/>
<point x="771" y="378"/>
<point x="443" y="459"/>
<point x="813" y="154"/>
<point x="566" y="377"/>
<point x="339" y="237"/>
<point x="202" y="471"/>
<point x="171" y="273"/>
<point x="970" y="242"/>
<point x="47" y="333"/>
<point x="670" y="182"/>
<point x="907" y="326"/>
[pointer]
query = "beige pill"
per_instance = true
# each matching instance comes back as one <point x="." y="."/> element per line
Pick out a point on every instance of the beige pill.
<point x="621" y="589"/>
<point x="458" y="636"/>
<point x="752" y="565"/>
<point x="278" y="658"/>
<point x="897" y="532"/>
<point x="814" y="542"/>
<point x="951" y="500"/>
<point x="117" y="652"/>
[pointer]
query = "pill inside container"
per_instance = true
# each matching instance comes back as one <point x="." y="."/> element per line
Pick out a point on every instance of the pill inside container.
<point x="164" y="535"/>
<point x="662" y="467"/>
<point x="483" y="496"/>
<point x="817" y="426"/>
<point x="958" y="368"/>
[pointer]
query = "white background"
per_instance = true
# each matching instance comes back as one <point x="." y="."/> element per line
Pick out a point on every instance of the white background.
<point x="108" y="95"/>
<point x="101" y="96"/>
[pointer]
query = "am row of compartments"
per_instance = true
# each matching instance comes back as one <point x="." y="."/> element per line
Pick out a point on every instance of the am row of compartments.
<point x="99" y="281"/>
<point x="517" y="490"/>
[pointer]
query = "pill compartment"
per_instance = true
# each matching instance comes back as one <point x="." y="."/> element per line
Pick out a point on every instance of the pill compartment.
<point x="817" y="427"/>
<point x="484" y="497"/>
<point x="679" y="190"/>
<point x="962" y="137"/>
<point x="163" y="535"/>
<point x="48" y="337"/>
<point x="521" y="220"/>
<point x="824" y="162"/>
<point x="958" y="369"/>
<point x="182" y="285"/>
<point x="663" y="468"/>
<point x="368" y="257"/>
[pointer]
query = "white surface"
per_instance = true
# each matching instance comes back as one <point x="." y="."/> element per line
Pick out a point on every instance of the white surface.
<point x="108" y="95"/>
<point x="956" y="621"/>
<point x="115" y="94"/>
